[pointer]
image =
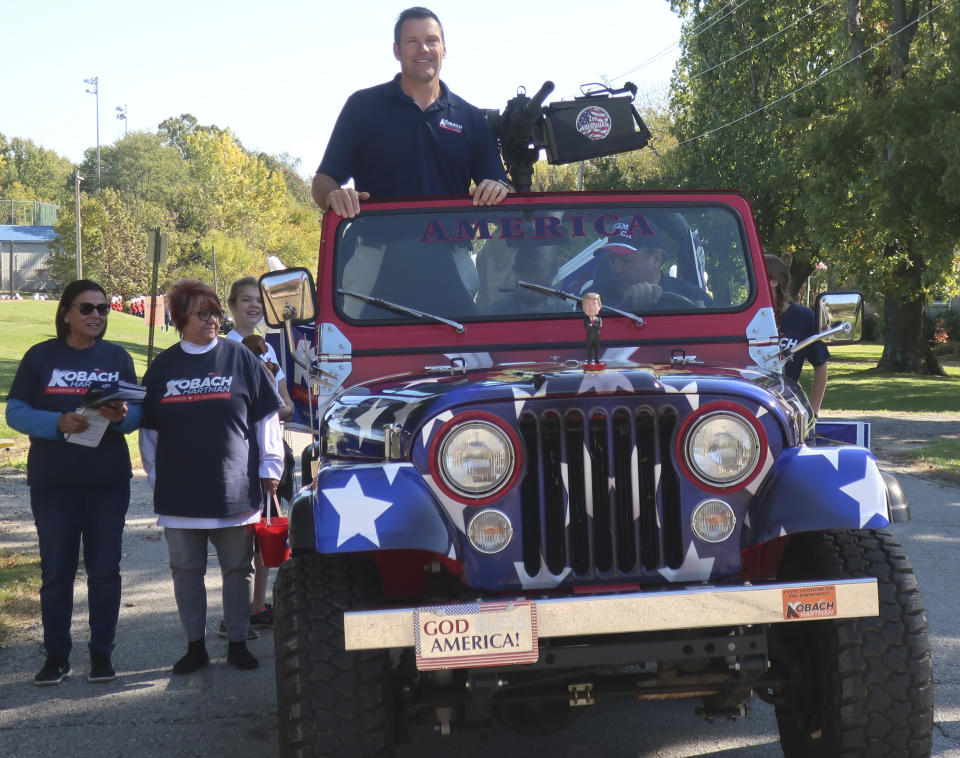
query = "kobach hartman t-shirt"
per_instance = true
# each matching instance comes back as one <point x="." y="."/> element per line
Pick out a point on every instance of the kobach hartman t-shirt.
<point x="52" y="376"/>
<point x="205" y="408"/>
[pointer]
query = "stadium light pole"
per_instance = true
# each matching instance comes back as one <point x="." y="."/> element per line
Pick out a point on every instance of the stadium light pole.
<point x="122" y="115"/>
<point x="94" y="89"/>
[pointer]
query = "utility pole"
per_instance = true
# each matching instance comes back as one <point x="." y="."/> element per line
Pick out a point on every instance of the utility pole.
<point x="157" y="251"/>
<point x="76" y="201"/>
<point x="94" y="82"/>
<point x="213" y="252"/>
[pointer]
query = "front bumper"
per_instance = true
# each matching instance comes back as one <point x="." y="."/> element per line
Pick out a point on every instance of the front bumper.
<point x="687" y="608"/>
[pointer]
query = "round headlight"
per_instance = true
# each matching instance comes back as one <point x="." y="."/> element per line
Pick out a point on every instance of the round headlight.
<point x="476" y="458"/>
<point x="713" y="521"/>
<point x="490" y="531"/>
<point x="723" y="449"/>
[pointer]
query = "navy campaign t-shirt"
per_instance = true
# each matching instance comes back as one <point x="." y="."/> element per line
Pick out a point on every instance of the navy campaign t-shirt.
<point x="205" y="408"/>
<point x="796" y="324"/>
<point x="54" y="377"/>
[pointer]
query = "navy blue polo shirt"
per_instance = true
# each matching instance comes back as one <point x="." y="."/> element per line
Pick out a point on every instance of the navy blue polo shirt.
<point x="391" y="148"/>
<point x="796" y="324"/>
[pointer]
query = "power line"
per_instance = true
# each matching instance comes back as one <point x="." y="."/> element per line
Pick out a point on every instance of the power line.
<point x="761" y="42"/>
<point x="825" y="74"/>
<point x="695" y="32"/>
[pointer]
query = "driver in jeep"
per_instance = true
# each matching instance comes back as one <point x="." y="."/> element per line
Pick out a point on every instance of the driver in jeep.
<point x="631" y="275"/>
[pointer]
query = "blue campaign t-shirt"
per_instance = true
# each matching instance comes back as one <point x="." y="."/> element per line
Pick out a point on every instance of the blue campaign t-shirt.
<point x="797" y="323"/>
<point x="52" y="376"/>
<point x="205" y="408"/>
<point x="392" y="148"/>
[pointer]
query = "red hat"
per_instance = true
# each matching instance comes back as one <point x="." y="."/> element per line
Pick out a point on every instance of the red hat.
<point x="618" y="248"/>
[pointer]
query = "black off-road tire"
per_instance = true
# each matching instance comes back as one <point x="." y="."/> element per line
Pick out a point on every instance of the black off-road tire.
<point x="857" y="687"/>
<point x="330" y="702"/>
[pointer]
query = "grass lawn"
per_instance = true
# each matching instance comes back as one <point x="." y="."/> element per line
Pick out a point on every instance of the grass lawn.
<point x="19" y="589"/>
<point x="25" y="323"/>
<point x="855" y="383"/>
<point x="941" y="457"/>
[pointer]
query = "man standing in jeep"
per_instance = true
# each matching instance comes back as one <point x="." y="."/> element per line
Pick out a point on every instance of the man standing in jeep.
<point x="411" y="136"/>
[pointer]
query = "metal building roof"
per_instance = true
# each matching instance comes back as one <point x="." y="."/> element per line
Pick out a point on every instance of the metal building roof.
<point x="38" y="234"/>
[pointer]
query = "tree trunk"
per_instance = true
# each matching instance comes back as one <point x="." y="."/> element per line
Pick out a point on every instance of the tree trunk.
<point x="904" y="348"/>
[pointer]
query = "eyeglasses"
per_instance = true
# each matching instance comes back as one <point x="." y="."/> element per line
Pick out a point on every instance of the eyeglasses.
<point x="87" y="308"/>
<point x="205" y="315"/>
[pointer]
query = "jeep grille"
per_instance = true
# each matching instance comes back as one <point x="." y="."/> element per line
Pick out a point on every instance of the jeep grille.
<point x="590" y="499"/>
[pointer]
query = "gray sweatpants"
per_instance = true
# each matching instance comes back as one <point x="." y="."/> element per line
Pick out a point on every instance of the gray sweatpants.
<point x="188" y="562"/>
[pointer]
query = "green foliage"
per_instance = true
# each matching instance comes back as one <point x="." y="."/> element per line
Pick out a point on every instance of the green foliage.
<point x="113" y="245"/>
<point x="173" y="132"/>
<point x="234" y="260"/>
<point x="844" y="138"/>
<point x="142" y="169"/>
<point x="30" y="172"/>
<point x="233" y="192"/>
<point x="196" y="183"/>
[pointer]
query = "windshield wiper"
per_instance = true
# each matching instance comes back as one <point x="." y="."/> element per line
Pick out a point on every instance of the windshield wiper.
<point x="403" y="309"/>
<point x="578" y="300"/>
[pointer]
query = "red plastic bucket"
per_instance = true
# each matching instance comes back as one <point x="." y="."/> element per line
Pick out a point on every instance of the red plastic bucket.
<point x="272" y="539"/>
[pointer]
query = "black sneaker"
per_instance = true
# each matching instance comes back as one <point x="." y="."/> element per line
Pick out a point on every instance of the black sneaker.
<point x="195" y="659"/>
<point x="263" y="619"/>
<point x="252" y="634"/>
<point x="101" y="669"/>
<point x="54" y="671"/>
<point x="241" y="658"/>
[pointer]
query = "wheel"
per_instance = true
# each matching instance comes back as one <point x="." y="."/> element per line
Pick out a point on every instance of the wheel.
<point x="330" y="702"/>
<point x="674" y="300"/>
<point x="855" y="687"/>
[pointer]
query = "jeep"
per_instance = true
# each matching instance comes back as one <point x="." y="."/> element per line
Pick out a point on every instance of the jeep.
<point x="492" y="528"/>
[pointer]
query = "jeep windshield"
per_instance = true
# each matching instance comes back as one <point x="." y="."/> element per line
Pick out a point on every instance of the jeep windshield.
<point x="466" y="263"/>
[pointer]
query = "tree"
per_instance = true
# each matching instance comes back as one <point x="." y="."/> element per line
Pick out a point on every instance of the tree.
<point x="174" y="132"/>
<point x="771" y="98"/>
<point x="234" y="259"/>
<point x="113" y="241"/>
<point x="892" y="210"/>
<point x="142" y="168"/>
<point x="33" y="172"/>
<point x="233" y="192"/>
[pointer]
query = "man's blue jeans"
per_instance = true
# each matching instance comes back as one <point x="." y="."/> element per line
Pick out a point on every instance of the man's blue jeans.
<point x="65" y="517"/>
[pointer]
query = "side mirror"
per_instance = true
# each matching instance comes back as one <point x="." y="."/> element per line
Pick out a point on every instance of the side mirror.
<point x="834" y="308"/>
<point x="289" y="298"/>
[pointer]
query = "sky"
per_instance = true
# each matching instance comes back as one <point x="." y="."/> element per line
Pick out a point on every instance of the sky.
<point x="277" y="73"/>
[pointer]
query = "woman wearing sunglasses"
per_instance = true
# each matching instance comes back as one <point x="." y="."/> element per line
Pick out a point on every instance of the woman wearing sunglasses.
<point x="211" y="446"/>
<point x="78" y="493"/>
